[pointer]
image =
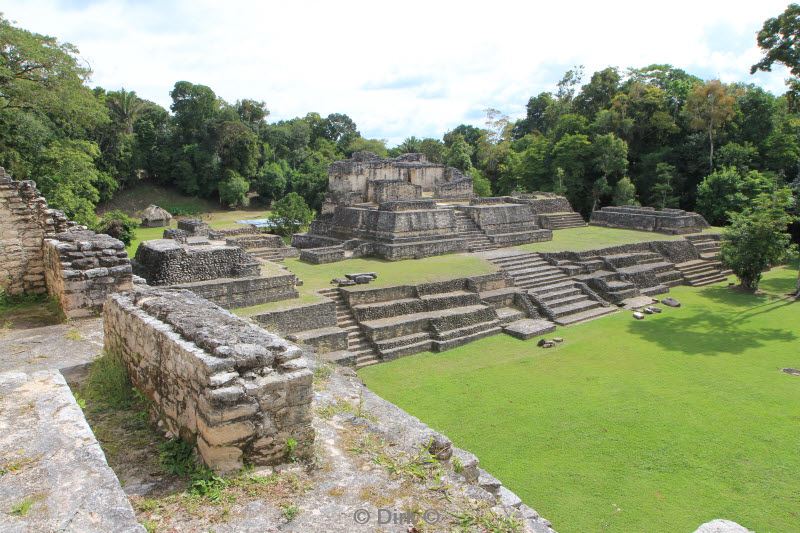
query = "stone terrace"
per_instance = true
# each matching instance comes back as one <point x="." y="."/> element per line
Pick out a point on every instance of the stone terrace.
<point x="671" y="221"/>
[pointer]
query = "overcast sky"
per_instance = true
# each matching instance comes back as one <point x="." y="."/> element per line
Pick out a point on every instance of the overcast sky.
<point x="398" y="68"/>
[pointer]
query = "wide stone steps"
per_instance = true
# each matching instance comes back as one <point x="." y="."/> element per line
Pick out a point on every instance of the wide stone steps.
<point x="507" y="315"/>
<point x="357" y="343"/>
<point x="563" y="220"/>
<point x="476" y="240"/>
<point x="572" y="308"/>
<point x="585" y="316"/>
<point x="442" y="345"/>
<point x="700" y="272"/>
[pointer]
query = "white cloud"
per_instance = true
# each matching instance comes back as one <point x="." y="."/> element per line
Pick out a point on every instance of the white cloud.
<point x="397" y="68"/>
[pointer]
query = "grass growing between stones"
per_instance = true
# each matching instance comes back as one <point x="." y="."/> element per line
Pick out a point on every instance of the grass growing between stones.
<point x="178" y="488"/>
<point x="653" y="425"/>
<point x="594" y="237"/>
<point x="28" y="310"/>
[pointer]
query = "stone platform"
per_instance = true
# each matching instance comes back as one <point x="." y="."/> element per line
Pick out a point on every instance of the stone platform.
<point x="52" y="460"/>
<point x="670" y="221"/>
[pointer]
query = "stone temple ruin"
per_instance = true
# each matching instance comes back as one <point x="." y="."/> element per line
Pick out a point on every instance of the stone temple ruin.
<point x="217" y="265"/>
<point x="407" y="207"/>
<point x="671" y="221"/>
<point x="41" y="251"/>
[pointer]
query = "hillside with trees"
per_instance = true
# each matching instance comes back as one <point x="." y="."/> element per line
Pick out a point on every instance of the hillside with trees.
<point x="653" y="135"/>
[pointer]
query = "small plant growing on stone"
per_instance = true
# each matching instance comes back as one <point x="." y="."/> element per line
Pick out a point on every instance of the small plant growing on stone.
<point x="291" y="446"/>
<point x="22" y="508"/>
<point x="79" y="400"/>
<point x="207" y="484"/>
<point x="73" y="335"/>
<point x="458" y="466"/>
<point x="290" y="511"/>
<point x="177" y="457"/>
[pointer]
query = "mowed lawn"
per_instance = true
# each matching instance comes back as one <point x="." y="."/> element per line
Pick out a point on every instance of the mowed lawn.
<point x="594" y="237"/>
<point x="631" y="426"/>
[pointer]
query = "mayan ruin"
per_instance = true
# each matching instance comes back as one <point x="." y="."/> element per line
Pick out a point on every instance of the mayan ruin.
<point x="445" y="287"/>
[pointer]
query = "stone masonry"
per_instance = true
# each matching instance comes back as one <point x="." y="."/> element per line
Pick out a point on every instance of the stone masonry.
<point x="168" y="262"/>
<point x="82" y="268"/>
<point x="671" y="221"/>
<point x="25" y="220"/>
<point x="237" y="391"/>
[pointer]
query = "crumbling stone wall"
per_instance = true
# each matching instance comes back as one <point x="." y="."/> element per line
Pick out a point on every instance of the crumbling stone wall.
<point x="301" y="318"/>
<point x="82" y="268"/>
<point x="387" y="190"/>
<point x="231" y="293"/>
<point x="168" y="262"/>
<point x="351" y="177"/>
<point x="25" y="220"/>
<point x="237" y="391"/>
<point x="194" y="227"/>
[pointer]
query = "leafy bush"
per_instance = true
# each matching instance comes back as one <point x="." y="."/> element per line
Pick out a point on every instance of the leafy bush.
<point x="118" y="225"/>
<point x="233" y="191"/>
<point x="290" y="213"/>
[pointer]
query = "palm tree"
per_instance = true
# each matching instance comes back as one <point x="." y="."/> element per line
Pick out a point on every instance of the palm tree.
<point x="126" y="107"/>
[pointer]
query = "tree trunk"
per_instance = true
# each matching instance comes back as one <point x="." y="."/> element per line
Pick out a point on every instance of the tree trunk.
<point x="711" y="151"/>
<point x="797" y="288"/>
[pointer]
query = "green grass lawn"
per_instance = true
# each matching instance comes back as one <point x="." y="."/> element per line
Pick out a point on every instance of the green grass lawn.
<point x="592" y="237"/>
<point x="653" y="425"/>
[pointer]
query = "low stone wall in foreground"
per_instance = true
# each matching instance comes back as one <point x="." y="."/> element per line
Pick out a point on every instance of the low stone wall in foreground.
<point x="239" y="392"/>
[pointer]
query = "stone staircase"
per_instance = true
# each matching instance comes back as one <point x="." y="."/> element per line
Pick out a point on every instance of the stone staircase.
<point x="477" y="241"/>
<point x="652" y="274"/>
<point x="561" y="220"/>
<point x="435" y="321"/>
<point x="274" y="254"/>
<point x="357" y="342"/>
<point x="562" y="300"/>
<point x="708" y="247"/>
<point x="700" y="272"/>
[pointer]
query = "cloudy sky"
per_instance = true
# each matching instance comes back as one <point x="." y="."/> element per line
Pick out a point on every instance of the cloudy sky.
<point x="398" y="68"/>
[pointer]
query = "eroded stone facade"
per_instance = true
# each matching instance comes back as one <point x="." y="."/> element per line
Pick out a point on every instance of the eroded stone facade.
<point x="25" y="220"/>
<point x="237" y="391"/>
<point x="82" y="268"/>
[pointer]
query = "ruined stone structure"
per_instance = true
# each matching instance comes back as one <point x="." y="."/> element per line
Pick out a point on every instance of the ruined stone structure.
<point x="41" y="251"/>
<point x="193" y="227"/>
<point x="237" y="391"/>
<point x="167" y="262"/>
<point x="82" y="268"/>
<point x="408" y="208"/>
<point x="361" y="327"/>
<point x="671" y="221"/>
<point x="225" y="274"/>
<point x="368" y="178"/>
<point x="25" y="220"/>
<point x="552" y="211"/>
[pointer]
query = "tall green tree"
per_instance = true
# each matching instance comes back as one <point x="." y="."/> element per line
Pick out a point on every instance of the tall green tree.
<point x="778" y="38"/>
<point x="756" y="238"/>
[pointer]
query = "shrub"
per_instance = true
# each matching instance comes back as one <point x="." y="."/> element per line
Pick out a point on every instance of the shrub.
<point x="756" y="238"/>
<point x="233" y="191"/>
<point x="290" y="213"/>
<point x="118" y="225"/>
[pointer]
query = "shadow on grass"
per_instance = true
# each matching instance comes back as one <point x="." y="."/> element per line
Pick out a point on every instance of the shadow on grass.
<point x="710" y="333"/>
